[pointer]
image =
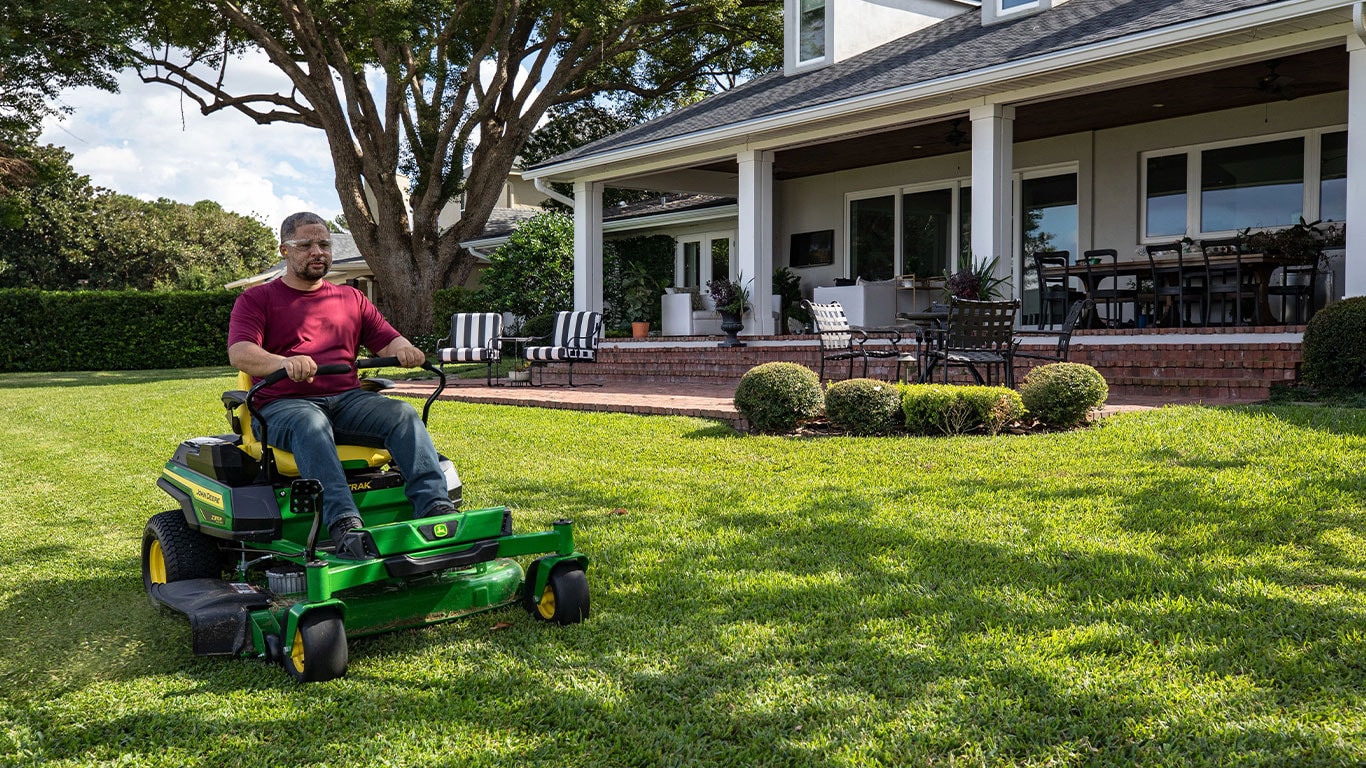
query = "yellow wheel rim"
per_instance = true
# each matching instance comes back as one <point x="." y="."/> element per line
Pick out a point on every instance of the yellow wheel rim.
<point x="547" y="604"/>
<point x="156" y="563"/>
<point x="297" y="652"/>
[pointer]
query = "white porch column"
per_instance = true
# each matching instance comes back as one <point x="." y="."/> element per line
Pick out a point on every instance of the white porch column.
<point x="588" y="245"/>
<point x="1354" y="262"/>
<point x="754" y="240"/>
<point x="993" y="199"/>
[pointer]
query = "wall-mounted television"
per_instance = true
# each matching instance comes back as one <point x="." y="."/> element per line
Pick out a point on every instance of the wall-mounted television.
<point x="812" y="249"/>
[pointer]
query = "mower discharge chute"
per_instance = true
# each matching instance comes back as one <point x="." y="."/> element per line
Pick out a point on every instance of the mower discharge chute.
<point x="241" y="559"/>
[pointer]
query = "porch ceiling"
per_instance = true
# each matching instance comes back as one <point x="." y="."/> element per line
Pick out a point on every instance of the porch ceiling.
<point x="1297" y="76"/>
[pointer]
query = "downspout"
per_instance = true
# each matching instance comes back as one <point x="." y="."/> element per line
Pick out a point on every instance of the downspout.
<point x="543" y="187"/>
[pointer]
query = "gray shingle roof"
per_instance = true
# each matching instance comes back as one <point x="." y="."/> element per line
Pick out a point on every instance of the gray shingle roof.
<point x="955" y="46"/>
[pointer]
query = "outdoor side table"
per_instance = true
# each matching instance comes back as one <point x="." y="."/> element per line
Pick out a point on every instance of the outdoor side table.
<point x="518" y="348"/>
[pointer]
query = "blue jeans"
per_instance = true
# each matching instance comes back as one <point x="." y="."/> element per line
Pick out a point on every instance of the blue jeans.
<point x="310" y="428"/>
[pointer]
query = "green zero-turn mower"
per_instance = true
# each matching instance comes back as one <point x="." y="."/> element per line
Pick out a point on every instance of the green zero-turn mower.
<point x="240" y="556"/>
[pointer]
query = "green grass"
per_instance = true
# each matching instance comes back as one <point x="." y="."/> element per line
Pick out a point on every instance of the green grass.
<point x="1184" y="586"/>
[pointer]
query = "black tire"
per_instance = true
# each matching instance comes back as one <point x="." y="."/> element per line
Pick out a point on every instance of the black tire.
<point x="319" y="650"/>
<point x="172" y="551"/>
<point x="565" y="597"/>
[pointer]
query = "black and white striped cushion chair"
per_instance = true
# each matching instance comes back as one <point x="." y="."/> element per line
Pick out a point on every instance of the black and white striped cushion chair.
<point x="476" y="337"/>
<point x="574" y="340"/>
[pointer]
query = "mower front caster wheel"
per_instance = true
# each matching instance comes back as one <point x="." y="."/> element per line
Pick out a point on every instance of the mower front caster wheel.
<point x="319" y="649"/>
<point x="565" y="597"/>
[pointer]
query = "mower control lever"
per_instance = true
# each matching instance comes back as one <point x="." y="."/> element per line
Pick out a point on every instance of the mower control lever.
<point x="392" y="362"/>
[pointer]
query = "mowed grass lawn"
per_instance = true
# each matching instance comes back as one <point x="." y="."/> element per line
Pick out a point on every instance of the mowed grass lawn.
<point x="1177" y="587"/>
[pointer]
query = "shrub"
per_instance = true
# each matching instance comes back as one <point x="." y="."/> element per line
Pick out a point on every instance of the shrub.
<point x="953" y="410"/>
<point x="1062" y="394"/>
<point x="1334" y="346"/>
<point x="863" y="406"/>
<point x="776" y="397"/>
<point x="113" y="330"/>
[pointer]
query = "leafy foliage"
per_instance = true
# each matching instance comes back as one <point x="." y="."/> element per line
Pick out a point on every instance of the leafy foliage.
<point x="533" y="273"/>
<point x="52" y="45"/>
<point x="863" y="406"/>
<point x="436" y="90"/>
<point x="57" y="232"/>
<point x="778" y="396"/>
<point x="112" y="330"/>
<point x="976" y="280"/>
<point x="1334" y="346"/>
<point x="1063" y="394"/>
<point x="942" y="409"/>
<point x="729" y="295"/>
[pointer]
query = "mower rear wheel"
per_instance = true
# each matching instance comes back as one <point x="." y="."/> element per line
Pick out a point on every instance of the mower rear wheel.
<point x="565" y="597"/>
<point x="319" y="649"/>
<point x="172" y="551"/>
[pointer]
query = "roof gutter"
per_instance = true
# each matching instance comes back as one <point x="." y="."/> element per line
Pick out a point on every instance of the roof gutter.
<point x="544" y="188"/>
<point x="1095" y="52"/>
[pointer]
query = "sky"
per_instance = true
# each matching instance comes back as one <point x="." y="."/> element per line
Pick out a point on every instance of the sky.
<point x="149" y="142"/>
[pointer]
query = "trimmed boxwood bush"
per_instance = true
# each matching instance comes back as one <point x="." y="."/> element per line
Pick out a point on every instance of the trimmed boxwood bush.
<point x="953" y="410"/>
<point x="776" y="397"/>
<point x="1334" y="346"/>
<point x="1062" y="394"/>
<point x="863" y="406"/>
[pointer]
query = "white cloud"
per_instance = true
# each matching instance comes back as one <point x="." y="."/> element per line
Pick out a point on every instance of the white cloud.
<point x="149" y="142"/>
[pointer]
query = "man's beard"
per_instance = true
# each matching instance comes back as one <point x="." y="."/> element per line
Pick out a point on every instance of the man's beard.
<point x="310" y="271"/>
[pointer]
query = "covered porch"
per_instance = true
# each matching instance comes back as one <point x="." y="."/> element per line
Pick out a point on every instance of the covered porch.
<point x="1104" y="140"/>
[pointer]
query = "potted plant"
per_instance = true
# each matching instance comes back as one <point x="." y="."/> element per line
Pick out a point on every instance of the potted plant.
<point x="789" y="289"/>
<point x="731" y="298"/>
<point x="1299" y="243"/>
<point x="639" y="292"/>
<point x="974" y="280"/>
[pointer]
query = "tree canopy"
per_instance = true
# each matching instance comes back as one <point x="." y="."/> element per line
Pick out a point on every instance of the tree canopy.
<point x="446" y="93"/>
<point x="58" y="232"/>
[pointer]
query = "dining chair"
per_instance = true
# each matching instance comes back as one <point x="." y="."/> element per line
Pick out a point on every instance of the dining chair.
<point x="977" y="335"/>
<point x="1177" y="278"/>
<point x="1102" y="264"/>
<point x="1055" y="289"/>
<point x="1296" y="282"/>
<point x="1063" y="336"/>
<point x="1229" y="284"/>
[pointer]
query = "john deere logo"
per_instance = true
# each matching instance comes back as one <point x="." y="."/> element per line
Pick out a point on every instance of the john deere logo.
<point x="441" y="531"/>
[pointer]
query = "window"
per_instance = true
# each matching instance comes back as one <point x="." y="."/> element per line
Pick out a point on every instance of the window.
<point x="1218" y="190"/>
<point x="1257" y="185"/>
<point x="1010" y="5"/>
<point x="1333" y="177"/>
<point x="927" y="229"/>
<point x="810" y="31"/>
<point x="872" y="237"/>
<point x="1166" y="196"/>
<point x="1048" y="222"/>
<point x="691" y="269"/>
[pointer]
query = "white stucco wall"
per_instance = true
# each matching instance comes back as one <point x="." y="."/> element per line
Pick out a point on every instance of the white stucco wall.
<point x="1107" y="164"/>
<point x="861" y="25"/>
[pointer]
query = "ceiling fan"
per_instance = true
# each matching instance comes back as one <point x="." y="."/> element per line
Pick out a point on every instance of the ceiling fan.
<point x="1278" y="85"/>
<point x="957" y="137"/>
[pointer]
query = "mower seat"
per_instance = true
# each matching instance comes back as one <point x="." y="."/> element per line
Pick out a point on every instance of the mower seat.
<point x="351" y="456"/>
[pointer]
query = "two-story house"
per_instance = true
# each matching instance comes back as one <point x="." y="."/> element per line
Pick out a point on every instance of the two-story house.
<point x="903" y="135"/>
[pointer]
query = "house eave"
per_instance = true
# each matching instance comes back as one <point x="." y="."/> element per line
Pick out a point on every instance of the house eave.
<point x="1089" y="55"/>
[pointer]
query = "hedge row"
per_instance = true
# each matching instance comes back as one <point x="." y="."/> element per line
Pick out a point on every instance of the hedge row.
<point x="112" y="330"/>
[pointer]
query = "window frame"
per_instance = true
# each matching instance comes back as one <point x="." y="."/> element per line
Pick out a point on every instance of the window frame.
<point x="793" y="38"/>
<point x="1309" y="204"/>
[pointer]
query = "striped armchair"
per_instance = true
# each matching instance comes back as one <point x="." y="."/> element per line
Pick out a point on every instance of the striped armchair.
<point x="575" y="339"/>
<point x="476" y="337"/>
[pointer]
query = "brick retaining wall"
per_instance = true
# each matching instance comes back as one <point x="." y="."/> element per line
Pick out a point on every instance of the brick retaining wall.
<point x="1214" y="363"/>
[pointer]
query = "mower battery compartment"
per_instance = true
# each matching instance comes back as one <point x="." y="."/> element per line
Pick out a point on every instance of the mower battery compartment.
<point x="220" y="457"/>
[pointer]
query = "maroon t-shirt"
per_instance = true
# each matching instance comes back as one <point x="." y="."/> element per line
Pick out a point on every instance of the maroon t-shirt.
<point x="328" y="325"/>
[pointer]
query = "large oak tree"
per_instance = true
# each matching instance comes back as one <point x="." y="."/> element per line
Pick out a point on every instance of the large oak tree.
<point x="445" y="93"/>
